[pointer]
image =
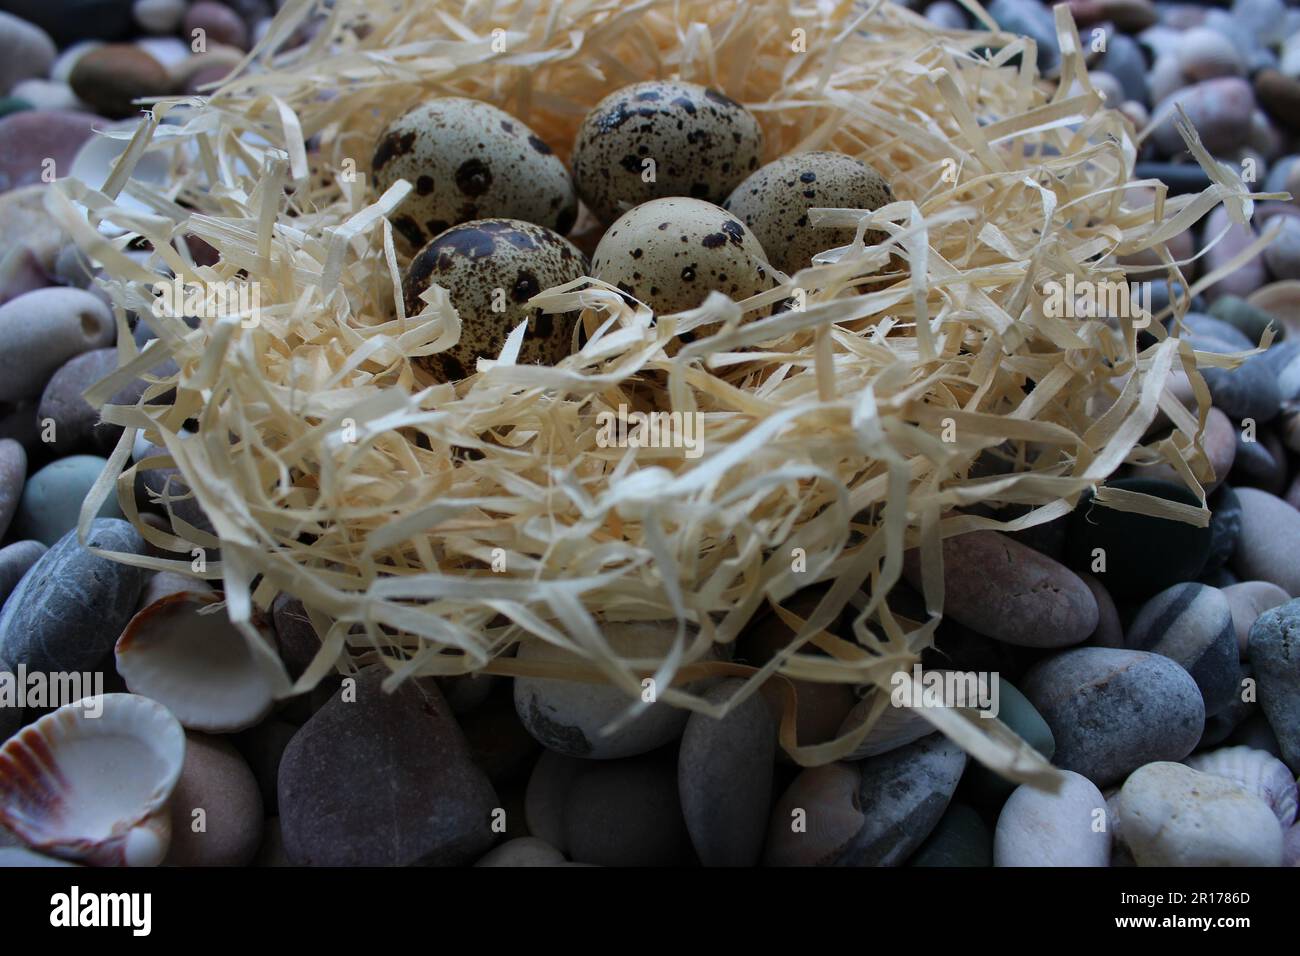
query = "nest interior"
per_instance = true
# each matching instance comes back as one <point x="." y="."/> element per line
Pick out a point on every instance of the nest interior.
<point x="922" y="384"/>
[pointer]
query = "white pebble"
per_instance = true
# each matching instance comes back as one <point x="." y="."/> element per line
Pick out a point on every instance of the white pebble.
<point x="1176" y="816"/>
<point x="1067" y="828"/>
<point x="1204" y="54"/>
<point x="159" y="16"/>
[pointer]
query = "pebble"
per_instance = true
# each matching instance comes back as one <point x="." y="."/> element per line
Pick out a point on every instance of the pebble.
<point x="1291" y="846"/>
<point x="152" y="483"/>
<point x="960" y="838"/>
<point x="1284" y="360"/>
<point x="1281" y="300"/>
<point x="627" y="813"/>
<point x="1269" y="546"/>
<point x="1260" y="463"/>
<point x="29" y="139"/>
<point x="1247" y="601"/>
<point x="946" y="15"/>
<point x="13" y="472"/>
<point x="15" y="560"/>
<point x="547" y="793"/>
<point x="568" y="716"/>
<point x="41" y="330"/>
<point x="1241" y="706"/>
<point x="1111" y="711"/>
<point x="1208" y="326"/>
<point x="218" y="22"/>
<point x="1220" y="445"/>
<point x="158" y="16"/>
<point x="1007" y="591"/>
<point x="1282" y="256"/>
<point x="522" y="851"/>
<point x="906" y="791"/>
<point x="26" y="51"/>
<point x="263" y="746"/>
<point x="11" y="718"/>
<point x="1279" y="95"/>
<point x="1225" y="528"/>
<point x="1248" y="276"/>
<point x="383" y="780"/>
<point x="498" y="742"/>
<point x="69" y="608"/>
<point x="1029" y="18"/>
<point x="1109" y="632"/>
<point x="1204" y="53"/>
<point x="70" y="20"/>
<point x="1131" y="16"/>
<point x="215" y="780"/>
<point x="49" y="96"/>
<point x="1143" y="554"/>
<point x="110" y="78"/>
<point x="1191" y="623"/>
<point x="1248" y="391"/>
<point x="1179" y="177"/>
<point x="464" y="692"/>
<point x="724" y="778"/>
<point x="52" y="498"/>
<point x="1165" y="78"/>
<point x="1176" y="816"/>
<point x="77" y="425"/>
<point x="1123" y="60"/>
<point x="988" y="788"/>
<point x="1219" y="109"/>
<point x="1274" y="644"/>
<point x="1038" y="828"/>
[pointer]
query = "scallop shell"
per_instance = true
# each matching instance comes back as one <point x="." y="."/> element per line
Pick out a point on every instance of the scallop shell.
<point x="184" y="652"/>
<point x="94" y="788"/>
<point x="896" y="727"/>
<point x="1257" y="771"/>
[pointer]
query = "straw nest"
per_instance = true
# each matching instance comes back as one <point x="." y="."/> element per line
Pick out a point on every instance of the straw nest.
<point x="330" y="471"/>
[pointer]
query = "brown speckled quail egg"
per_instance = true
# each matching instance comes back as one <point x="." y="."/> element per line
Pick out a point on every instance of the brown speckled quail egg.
<point x="491" y="268"/>
<point x="670" y="253"/>
<point x="702" y="144"/>
<point x="774" y="204"/>
<point x="466" y="160"/>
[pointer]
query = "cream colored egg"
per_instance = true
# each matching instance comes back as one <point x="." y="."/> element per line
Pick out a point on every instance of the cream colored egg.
<point x="491" y="268"/>
<point x="670" y="253"/>
<point x="466" y="160"/>
<point x="663" y="138"/>
<point x="774" y="204"/>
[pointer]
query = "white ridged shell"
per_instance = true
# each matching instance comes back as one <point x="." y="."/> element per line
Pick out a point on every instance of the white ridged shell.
<point x="94" y="788"/>
<point x="184" y="652"/>
<point x="896" y="727"/>
<point x="1257" y="771"/>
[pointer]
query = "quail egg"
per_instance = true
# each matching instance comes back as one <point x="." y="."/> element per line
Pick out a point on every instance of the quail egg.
<point x="774" y="204"/>
<point x="663" y="138"/>
<point x="466" y="160"/>
<point x="670" y="253"/>
<point x="491" y="268"/>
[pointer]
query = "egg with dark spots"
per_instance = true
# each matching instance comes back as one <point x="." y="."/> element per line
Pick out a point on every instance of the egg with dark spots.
<point x="469" y="160"/>
<point x="775" y="200"/>
<point x="670" y="253"/>
<point x="663" y="138"/>
<point x="491" y="268"/>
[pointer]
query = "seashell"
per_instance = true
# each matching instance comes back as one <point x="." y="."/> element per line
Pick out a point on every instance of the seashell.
<point x="896" y="727"/>
<point x="94" y="788"/>
<point x="184" y="652"/>
<point x="1258" y="772"/>
<point x="96" y="158"/>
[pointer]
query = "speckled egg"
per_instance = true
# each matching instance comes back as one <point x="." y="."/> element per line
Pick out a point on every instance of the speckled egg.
<point x="491" y="268"/>
<point x="774" y="204"/>
<point x="670" y="253"/>
<point x="466" y="160"/>
<point x="702" y="145"/>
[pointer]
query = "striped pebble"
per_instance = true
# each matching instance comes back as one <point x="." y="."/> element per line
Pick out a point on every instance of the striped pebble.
<point x="1191" y="623"/>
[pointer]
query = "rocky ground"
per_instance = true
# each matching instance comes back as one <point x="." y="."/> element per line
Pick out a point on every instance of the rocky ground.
<point x="1166" y="685"/>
